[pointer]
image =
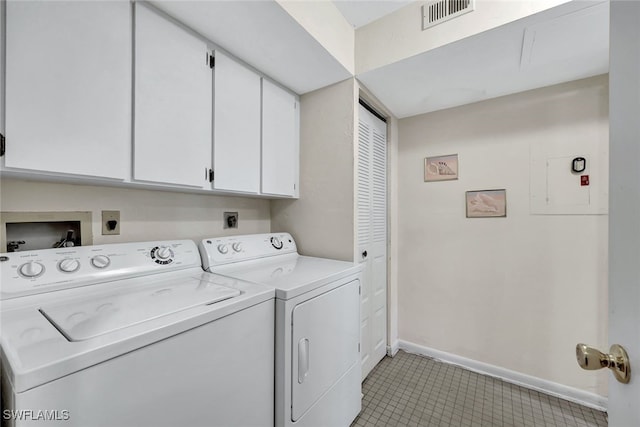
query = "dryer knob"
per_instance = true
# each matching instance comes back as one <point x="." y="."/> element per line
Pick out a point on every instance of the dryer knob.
<point x="237" y="246"/>
<point x="100" y="261"/>
<point x="222" y="248"/>
<point x="69" y="265"/>
<point x="31" y="269"/>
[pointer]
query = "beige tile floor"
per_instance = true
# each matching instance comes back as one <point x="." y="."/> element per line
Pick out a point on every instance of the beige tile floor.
<point x="410" y="390"/>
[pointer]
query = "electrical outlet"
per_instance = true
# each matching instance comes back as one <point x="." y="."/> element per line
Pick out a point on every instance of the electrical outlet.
<point x="110" y="223"/>
<point x="230" y="220"/>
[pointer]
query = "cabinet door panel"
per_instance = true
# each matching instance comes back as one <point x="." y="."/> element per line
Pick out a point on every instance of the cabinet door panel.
<point x="236" y="127"/>
<point x="68" y="87"/>
<point x="173" y="84"/>
<point x="279" y="141"/>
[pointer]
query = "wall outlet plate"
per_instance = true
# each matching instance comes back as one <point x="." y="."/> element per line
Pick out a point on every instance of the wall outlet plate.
<point x="110" y="223"/>
<point x="230" y="220"/>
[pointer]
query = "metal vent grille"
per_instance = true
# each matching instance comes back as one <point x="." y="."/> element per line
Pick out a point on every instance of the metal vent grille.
<point x="439" y="11"/>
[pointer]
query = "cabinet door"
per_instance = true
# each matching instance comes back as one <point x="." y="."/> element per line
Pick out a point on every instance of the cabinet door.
<point x="279" y="140"/>
<point x="172" y="139"/>
<point x="68" y="87"/>
<point x="236" y="140"/>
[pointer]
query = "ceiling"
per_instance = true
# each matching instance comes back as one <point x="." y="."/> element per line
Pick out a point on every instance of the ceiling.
<point x="362" y="12"/>
<point x="565" y="43"/>
<point x="265" y="36"/>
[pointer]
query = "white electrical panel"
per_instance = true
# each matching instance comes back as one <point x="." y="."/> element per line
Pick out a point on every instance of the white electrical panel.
<point x="556" y="189"/>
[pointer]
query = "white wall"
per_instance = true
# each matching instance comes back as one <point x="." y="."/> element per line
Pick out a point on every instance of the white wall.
<point x="322" y="220"/>
<point x="399" y="35"/>
<point x="144" y="214"/>
<point x="516" y="292"/>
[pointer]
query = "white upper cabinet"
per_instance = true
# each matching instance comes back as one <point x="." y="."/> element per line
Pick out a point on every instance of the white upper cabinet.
<point x="236" y="127"/>
<point x="68" y="87"/>
<point x="173" y="102"/>
<point x="279" y="141"/>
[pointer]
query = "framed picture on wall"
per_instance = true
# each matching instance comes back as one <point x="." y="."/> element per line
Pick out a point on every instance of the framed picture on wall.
<point x="486" y="203"/>
<point x="441" y="168"/>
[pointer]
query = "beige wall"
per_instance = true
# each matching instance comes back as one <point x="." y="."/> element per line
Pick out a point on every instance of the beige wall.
<point x="144" y="214"/>
<point x="516" y="292"/>
<point x="327" y="25"/>
<point x="322" y="220"/>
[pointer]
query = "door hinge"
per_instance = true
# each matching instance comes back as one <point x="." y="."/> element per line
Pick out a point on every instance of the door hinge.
<point x="211" y="174"/>
<point x="2" y="145"/>
<point x="358" y="347"/>
<point x="359" y="289"/>
<point x="212" y="61"/>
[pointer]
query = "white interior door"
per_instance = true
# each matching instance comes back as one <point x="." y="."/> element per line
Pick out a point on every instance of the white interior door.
<point x="624" y="206"/>
<point x="372" y="236"/>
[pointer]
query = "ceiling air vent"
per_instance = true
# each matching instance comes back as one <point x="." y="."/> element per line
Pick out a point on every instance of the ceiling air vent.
<point x="439" y="11"/>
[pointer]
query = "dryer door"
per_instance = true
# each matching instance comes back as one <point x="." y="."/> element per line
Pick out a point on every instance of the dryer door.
<point x="326" y="335"/>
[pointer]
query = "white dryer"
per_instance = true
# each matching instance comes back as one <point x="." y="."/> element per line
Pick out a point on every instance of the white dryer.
<point x="317" y="324"/>
<point x="133" y="334"/>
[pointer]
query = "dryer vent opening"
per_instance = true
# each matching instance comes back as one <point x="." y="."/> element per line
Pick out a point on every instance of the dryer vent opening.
<point x="438" y="11"/>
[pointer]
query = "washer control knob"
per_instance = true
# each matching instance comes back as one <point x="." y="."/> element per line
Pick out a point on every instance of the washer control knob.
<point x="276" y="242"/>
<point x="31" y="269"/>
<point x="163" y="253"/>
<point x="100" y="261"/>
<point x="69" y="265"/>
<point x="222" y="248"/>
<point x="237" y="246"/>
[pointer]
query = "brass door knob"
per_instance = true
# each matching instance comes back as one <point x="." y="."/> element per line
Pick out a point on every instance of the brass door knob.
<point x="617" y="360"/>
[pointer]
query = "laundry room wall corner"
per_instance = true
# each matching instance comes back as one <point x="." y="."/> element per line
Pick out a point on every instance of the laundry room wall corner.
<point x="321" y="220"/>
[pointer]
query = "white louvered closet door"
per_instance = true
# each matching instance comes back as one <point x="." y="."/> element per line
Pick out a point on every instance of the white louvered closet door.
<point x="372" y="236"/>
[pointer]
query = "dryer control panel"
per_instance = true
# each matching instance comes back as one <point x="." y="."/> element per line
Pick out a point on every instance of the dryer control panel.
<point x="217" y="251"/>
<point x="38" y="271"/>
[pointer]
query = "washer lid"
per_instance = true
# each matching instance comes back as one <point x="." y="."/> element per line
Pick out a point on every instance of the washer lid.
<point x="82" y="320"/>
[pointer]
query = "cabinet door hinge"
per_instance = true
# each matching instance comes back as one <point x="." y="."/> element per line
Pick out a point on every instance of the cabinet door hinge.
<point x="2" y="145"/>
<point x="210" y="175"/>
<point x="212" y="61"/>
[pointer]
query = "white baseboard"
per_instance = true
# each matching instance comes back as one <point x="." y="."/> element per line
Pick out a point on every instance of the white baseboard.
<point x="582" y="397"/>
<point x="393" y="348"/>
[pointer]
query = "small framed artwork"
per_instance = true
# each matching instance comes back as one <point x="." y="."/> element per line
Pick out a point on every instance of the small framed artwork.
<point x="486" y="203"/>
<point x="441" y="168"/>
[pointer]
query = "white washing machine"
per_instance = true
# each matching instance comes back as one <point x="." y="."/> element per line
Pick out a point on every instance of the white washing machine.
<point x="133" y="334"/>
<point x="317" y="324"/>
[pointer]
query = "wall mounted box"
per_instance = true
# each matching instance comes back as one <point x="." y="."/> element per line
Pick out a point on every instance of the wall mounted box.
<point x="42" y="230"/>
<point x="557" y="190"/>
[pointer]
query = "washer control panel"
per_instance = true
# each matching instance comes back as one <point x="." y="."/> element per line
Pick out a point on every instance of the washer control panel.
<point x="32" y="272"/>
<point x="225" y="250"/>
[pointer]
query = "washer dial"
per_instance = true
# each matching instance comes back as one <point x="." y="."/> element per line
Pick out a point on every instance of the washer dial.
<point x="222" y="248"/>
<point x="162" y="255"/>
<point x="31" y="269"/>
<point x="100" y="261"/>
<point x="237" y="246"/>
<point x="276" y="242"/>
<point x="69" y="265"/>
